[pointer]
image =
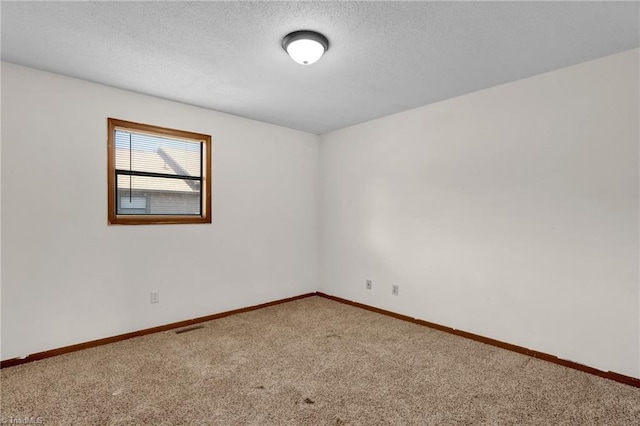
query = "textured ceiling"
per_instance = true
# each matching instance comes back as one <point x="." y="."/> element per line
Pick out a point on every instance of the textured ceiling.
<point x="384" y="57"/>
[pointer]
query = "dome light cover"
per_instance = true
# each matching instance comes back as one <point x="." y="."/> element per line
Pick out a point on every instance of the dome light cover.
<point x="305" y="47"/>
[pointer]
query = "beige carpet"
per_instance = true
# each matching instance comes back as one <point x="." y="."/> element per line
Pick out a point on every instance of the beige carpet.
<point x="310" y="362"/>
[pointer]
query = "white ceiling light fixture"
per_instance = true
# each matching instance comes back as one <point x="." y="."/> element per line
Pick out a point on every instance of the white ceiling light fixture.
<point x="305" y="47"/>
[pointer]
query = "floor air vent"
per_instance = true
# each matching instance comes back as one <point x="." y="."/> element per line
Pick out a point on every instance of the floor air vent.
<point x="184" y="330"/>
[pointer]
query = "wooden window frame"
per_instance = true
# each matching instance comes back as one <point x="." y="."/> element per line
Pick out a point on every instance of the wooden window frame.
<point x="114" y="124"/>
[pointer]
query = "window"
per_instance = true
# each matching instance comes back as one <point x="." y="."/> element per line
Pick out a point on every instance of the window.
<point x="158" y="175"/>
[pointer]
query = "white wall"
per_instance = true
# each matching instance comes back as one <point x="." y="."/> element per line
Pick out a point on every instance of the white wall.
<point x="68" y="277"/>
<point x="511" y="213"/>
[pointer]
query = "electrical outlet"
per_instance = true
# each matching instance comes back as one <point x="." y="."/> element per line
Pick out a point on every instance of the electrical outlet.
<point x="395" y="289"/>
<point x="369" y="285"/>
<point x="155" y="297"/>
